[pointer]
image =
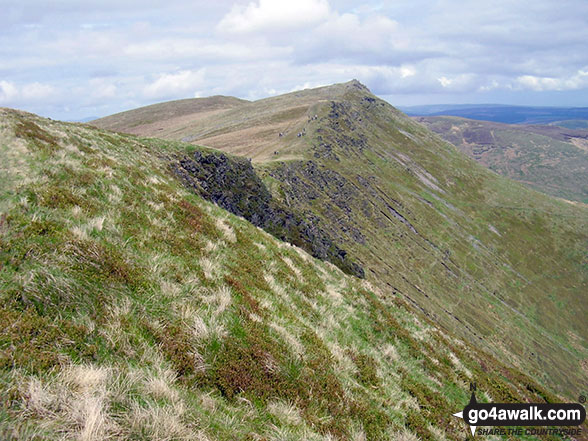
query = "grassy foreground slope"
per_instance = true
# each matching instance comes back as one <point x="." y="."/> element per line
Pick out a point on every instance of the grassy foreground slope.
<point x="500" y="265"/>
<point x="131" y="308"/>
<point x="551" y="159"/>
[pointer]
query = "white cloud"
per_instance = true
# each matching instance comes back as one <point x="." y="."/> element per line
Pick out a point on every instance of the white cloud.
<point x="307" y="85"/>
<point x="104" y="57"/>
<point x="462" y="82"/>
<point x="178" y="48"/>
<point x="374" y="33"/>
<point x="573" y="82"/>
<point x="407" y="71"/>
<point x="172" y="85"/>
<point x="271" y="15"/>
<point x="490" y="85"/>
<point x="445" y="82"/>
<point x="102" y="89"/>
<point x="29" y="92"/>
<point x="8" y="91"/>
<point x="36" y="91"/>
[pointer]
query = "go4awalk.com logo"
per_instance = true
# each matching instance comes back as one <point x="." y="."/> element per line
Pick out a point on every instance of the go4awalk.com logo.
<point x="522" y="414"/>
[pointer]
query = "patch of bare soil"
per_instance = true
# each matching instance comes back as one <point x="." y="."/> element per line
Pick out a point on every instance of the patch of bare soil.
<point x="581" y="143"/>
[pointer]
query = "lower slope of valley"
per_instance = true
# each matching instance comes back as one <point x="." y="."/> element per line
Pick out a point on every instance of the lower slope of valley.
<point x="551" y="159"/>
<point x="132" y="308"/>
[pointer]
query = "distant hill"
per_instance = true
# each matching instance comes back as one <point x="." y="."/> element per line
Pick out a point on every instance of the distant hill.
<point x="250" y="129"/>
<point x="153" y="119"/>
<point x="551" y="159"/>
<point x="571" y="117"/>
<point x="84" y="120"/>
<point x="499" y="264"/>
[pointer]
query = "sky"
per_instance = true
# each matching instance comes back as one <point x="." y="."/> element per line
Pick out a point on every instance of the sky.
<point x="72" y="59"/>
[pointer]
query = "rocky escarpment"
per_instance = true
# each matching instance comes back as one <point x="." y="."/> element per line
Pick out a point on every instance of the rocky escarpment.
<point x="307" y="184"/>
<point x="233" y="184"/>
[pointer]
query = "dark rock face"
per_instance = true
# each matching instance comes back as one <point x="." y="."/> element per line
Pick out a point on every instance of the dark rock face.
<point x="232" y="184"/>
<point x="342" y="123"/>
<point x="306" y="181"/>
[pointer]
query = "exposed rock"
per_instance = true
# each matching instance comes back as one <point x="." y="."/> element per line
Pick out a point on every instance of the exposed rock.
<point x="305" y="181"/>
<point x="232" y="183"/>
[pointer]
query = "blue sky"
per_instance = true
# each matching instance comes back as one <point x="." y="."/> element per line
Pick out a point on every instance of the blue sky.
<point x="69" y="59"/>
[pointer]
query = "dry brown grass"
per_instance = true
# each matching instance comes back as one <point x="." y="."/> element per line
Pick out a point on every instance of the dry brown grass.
<point x="227" y="230"/>
<point x="286" y="412"/>
<point x="404" y="435"/>
<point x="76" y="400"/>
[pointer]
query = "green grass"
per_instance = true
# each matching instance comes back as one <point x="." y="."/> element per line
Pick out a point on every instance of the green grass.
<point x="133" y="309"/>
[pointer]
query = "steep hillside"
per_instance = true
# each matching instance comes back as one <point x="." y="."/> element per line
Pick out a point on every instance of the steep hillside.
<point x="500" y="265"/>
<point x="550" y="159"/>
<point x="131" y="308"/>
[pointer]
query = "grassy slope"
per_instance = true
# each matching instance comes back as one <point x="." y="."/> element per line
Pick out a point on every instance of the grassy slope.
<point x="132" y="309"/>
<point x="548" y="158"/>
<point x="499" y="264"/>
<point x="154" y="119"/>
<point x="250" y="129"/>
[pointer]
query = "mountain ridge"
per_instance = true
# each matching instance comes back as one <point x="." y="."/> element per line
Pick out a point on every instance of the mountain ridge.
<point x="133" y="308"/>
<point x="451" y="237"/>
<point x="253" y="128"/>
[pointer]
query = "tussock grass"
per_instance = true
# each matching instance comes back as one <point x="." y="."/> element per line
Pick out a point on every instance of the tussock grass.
<point x="404" y="435"/>
<point x="285" y="412"/>
<point x="227" y="230"/>
<point x="293" y="267"/>
<point x="75" y="399"/>
<point x="209" y="268"/>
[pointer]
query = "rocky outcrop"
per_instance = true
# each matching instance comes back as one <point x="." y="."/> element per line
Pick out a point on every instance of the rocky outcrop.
<point x="232" y="183"/>
<point x="342" y="124"/>
<point x="305" y="182"/>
